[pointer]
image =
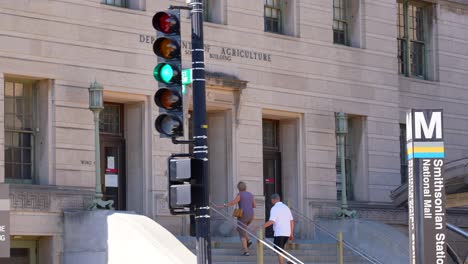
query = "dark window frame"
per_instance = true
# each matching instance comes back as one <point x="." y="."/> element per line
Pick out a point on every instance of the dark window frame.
<point x="276" y="125"/>
<point x="340" y="22"/>
<point x="24" y="136"/>
<point x="102" y="118"/>
<point x="273" y="24"/>
<point x="412" y="38"/>
<point x="207" y="11"/>
<point x="123" y="3"/>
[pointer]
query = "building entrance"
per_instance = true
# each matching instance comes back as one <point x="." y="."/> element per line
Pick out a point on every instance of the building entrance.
<point x="22" y="252"/>
<point x="112" y="141"/>
<point x="271" y="166"/>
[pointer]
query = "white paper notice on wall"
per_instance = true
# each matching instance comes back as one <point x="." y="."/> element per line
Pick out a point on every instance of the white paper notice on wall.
<point x="112" y="180"/>
<point x="110" y="162"/>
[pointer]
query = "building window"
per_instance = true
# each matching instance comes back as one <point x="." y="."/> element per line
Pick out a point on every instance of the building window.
<point x="19" y="133"/>
<point x="403" y="155"/>
<point x="119" y="3"/>
<point x="411" y="39"/>
<point x="206" y="11"/>
<point x="340" y="22"/>
<point x="270" y="134"/>
<point x="111" y="119"/>
<point x="273" y="16"/>
<point x="347" y="22"/>
<point x="214" y="11"/>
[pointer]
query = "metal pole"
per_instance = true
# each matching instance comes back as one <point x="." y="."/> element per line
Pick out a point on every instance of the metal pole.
<point x="344" y="199"/>
<point x="98" y="194"/>
<point x="340" y="248"/>
<point x="97" y="201"/>
<point x="202" y="207"/>
<point x="260" y="247"/>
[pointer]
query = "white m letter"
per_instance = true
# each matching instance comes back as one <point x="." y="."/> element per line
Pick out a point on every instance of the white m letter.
<point x="435" y="123"/>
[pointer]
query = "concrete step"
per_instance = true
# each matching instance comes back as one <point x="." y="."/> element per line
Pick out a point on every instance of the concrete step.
<point x="225" y="251"/>
<point x="276" y="261"/>
<point x="300" y="246"/>
<point x="230" y="255"/>
<point x="273" y="259"/>
<point x="229" y="251"/>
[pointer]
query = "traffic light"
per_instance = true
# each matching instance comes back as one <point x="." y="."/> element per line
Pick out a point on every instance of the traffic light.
<point x="185" y="186"/>
<point x="169" y="98"/>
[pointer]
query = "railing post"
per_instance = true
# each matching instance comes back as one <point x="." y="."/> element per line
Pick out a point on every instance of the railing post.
<point x="260" y="247"/>
<point x="339" y="245"/>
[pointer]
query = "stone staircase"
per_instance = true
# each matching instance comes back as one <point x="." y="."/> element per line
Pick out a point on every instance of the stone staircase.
<point x="229" y="252"/>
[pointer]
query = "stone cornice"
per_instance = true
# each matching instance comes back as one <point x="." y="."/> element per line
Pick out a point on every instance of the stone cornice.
<point x="48" y="198"/>
<point x="223" y="81"/>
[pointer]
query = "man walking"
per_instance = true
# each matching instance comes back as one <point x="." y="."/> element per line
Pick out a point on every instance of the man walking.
<point x="283" y="223"/>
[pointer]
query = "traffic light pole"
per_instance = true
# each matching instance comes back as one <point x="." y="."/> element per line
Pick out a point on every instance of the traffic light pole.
<point x="200" y="150"/>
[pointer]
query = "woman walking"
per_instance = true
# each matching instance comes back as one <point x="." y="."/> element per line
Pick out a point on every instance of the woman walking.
<point x="246" y="203"/>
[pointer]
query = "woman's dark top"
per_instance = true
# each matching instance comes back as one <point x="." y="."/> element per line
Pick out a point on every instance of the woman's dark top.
<point x="246" y="204"/>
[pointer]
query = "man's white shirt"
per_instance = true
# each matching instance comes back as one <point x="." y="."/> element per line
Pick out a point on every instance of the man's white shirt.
<point x="281" y="216"/>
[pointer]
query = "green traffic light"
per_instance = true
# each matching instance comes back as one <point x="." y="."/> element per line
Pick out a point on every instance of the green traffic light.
<point x="166" y="73"/>
<point x="163" y="72"/>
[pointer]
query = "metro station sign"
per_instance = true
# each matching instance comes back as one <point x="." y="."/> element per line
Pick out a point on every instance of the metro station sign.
<point x="4" y="221"/>
<point x="426" y="192"/>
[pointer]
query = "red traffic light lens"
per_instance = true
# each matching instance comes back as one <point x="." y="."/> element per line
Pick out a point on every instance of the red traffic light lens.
<point x="166" y="48"/>
<point x="166" y="23"/>
<point x="169" y="125"/>
<point x="168" y="99"/>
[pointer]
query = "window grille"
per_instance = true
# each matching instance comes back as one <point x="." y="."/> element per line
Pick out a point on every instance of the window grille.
<point x="273" y="16"/>
<point x="110" y="119"/>
<point x="411" y="36"/>
<point x="340" y="22"/>
<point x="19" y="131"/>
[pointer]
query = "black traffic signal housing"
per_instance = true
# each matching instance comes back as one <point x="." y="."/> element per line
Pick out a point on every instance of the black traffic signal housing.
<point x="185" y="186"/>
<point x="168" y="72"/>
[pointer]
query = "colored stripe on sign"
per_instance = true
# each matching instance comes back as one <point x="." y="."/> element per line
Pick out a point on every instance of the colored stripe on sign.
<point x="428" y="149"/>
<point x="425" y="150"/>
<point x="428" y="155"/>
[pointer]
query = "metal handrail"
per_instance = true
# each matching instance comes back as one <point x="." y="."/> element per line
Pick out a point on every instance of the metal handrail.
<point x="451" y="251"/>
<point x="267" y="243"/>
<point x="457" y="230"/>
<point x="453" y="254"/>
<point x="347" y="244"/>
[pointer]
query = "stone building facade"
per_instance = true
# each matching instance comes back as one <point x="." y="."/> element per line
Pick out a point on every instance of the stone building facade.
<point x="277" y="72"/>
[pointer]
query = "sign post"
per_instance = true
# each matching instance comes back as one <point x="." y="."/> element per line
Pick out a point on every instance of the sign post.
<point x="426" y="192"/>
<point x="4" y="221"/>
<point x="202" y="203"/>
<point x="186" y="79"/>
<point x="186" y="76"/>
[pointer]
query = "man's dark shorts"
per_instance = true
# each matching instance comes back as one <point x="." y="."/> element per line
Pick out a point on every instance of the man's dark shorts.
<point x="280" y="241"/>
